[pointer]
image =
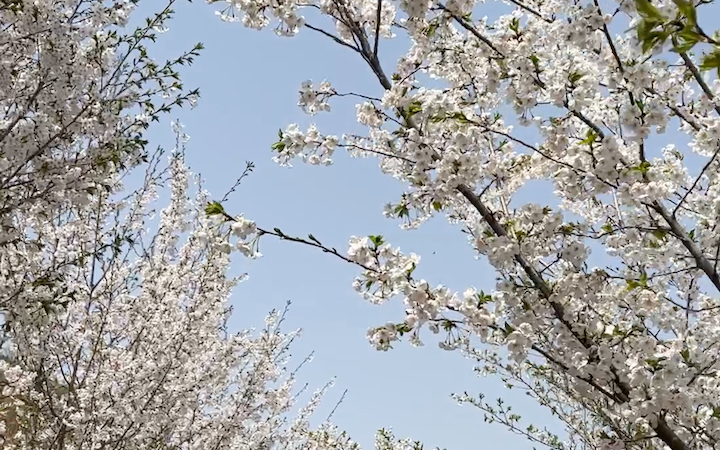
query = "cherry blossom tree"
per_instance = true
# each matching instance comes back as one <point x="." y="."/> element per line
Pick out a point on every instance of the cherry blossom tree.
<point x="115" y="337"/>
<point x="135" y="352"/>
<point x="621" y="345"/>
<point x="77" y="90"/>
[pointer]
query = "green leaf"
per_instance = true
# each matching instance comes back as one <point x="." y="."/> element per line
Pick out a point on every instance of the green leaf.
<point x="660" y="234"/>
<point x="639" y="283"/>
<point x="278" y="146"/>
<point x="460" y="117"/>
<point x="647" y="10"/>
<point x="655" y="362"/>
<point x="687" y="38"/>
<point x="567" y="228"/>
<point x="687" y="9"/>
<point x="643" y="29"/>
<point x="214" y="208"/>
<point x="410" y="271"/>
<point x="431" y="29"/>
<point x="591" y="137"/>
<point x="654" y="37"/>
<point x="574" y="77"/>
<point x="536" y="62"/>
<point x="376" y="240"/>
<point x="643" y="167"/>
<point x="448" y="325"/>
<point x="414" y="108"/>
<point x="437" y="206"/>
<point x="401" y="210"/>
<point x="688" y="33"/>
<point x="711" y="60"/>
<point x="685" y="353"/>
<point x="515" y="25"/>
<point x="402" y="328"/>
<point x="483" y="298"/>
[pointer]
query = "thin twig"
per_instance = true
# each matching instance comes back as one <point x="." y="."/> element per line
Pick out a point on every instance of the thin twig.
<point x="333" y="37"/>
<point x="697" y="181"/>
<point x="463" y="23"/>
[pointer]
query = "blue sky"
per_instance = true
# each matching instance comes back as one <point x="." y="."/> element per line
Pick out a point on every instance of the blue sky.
<point x="249" y="83"/>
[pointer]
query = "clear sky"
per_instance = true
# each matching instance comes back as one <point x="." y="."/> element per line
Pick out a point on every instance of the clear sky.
<point x="249" y="83"/>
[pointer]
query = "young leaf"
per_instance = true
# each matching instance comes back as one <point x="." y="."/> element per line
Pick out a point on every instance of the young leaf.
<point x="711" y="60"/>
<point x="414" y="108"/>
<point x="648" y="11"/>
<point x="687" y="9"/>
<point x="214" y="208"/>
<point x="376" y="240"/>
<point x="591" y="137"/>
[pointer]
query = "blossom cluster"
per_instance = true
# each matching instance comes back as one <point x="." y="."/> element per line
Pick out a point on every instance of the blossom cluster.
<point x="77" y="92"/>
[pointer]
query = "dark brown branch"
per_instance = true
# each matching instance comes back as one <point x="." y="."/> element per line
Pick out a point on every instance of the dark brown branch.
<point x="377" y="29"/>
